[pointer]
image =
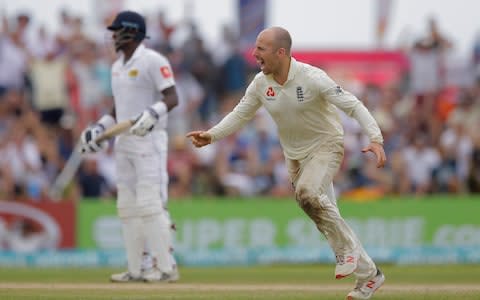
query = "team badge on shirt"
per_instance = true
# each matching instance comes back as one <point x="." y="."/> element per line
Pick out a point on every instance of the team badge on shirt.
<point x="166" y="73"/>
<point x="300" y="96"/>
<point x="133" y="73"/>
<point x="338" y="90"/>
<point x="270" y="93"/>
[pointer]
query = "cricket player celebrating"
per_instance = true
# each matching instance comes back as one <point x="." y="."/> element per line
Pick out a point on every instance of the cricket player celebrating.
<point x="144" y="90"/>
<point x="301" y="99"/>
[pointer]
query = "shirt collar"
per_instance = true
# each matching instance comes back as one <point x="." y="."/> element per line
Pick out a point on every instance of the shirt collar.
<point x="292" y="71"/>
<point x="137" y="53"/>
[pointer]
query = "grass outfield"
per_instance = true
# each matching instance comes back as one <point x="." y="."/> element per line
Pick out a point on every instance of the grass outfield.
<point x="255" y="282"/>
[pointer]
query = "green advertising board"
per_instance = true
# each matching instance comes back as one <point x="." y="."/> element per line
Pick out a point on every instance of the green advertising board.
<point x="98" y="226"/>
<point x="268" y="230"/>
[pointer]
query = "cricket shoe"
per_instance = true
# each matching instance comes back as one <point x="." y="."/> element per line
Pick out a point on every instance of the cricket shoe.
<point x="346" y="265"/>
<point x="155" y="275"/>
<point x="125" y="277"/>
<point x="364" y="289"/>
<point x="175" y="274"/>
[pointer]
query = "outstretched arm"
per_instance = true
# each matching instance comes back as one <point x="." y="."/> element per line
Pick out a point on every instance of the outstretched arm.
<point x="200" y="138"/>
<point x="236" y="119"/>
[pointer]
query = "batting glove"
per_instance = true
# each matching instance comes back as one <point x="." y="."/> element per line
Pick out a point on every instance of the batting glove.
<point x="146" y="121"/>
<point x="88" y="137"/>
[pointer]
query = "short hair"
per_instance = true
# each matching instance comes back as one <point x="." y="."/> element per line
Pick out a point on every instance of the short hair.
<point x="282" y="39"/>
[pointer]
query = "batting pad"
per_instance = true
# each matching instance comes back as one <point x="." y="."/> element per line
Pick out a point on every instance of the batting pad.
<point x="144" y="200"/>
<point x="159" y="240"/>
<point x="147" y="259"/>
<point x="134" y="240"/>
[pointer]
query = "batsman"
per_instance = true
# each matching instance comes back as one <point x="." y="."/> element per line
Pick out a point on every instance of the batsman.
<point x="143" y="88"/>
<point x="303" y="102"/>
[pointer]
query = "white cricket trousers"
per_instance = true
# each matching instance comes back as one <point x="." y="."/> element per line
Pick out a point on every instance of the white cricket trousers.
<point x="312" y="179"/>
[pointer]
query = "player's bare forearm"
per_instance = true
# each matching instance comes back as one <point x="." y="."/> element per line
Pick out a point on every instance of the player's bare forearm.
<point x="170" y="97"/>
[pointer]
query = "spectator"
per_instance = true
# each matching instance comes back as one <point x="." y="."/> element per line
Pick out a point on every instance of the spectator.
<point x="20" y="154"/>
<point x="399" y="177"/>
<point x="199" y="62"/>
<point x="473" y="178"/>
<point x="444" y="176"/>
<point x="50" y="95"/>
<point x="235" y="166"/>
<point x="457" y="145"/>
<point x="92" y="183"/>
<point x="180" y="167"/>
<point x="13" y="62"/>
<point x="161" y="33"/>
<point x="281" y="185"/>
<point x="421" y="159"/>
<point x="232" y="78"/>
<point x="190" y="97"/>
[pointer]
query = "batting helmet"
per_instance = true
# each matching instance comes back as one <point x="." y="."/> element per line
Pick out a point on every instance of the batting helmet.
<point x="128" y="26"/>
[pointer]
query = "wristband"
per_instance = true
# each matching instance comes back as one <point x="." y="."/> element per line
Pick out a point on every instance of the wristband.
<point x="158" y="109"/>
<point x="106" y="121"/>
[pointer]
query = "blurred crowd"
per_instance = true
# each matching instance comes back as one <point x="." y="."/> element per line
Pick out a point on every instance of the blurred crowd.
<point x="52" y="85"/>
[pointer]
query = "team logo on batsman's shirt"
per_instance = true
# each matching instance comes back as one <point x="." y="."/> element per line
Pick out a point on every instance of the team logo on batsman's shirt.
<point x="133" y="73"/>
<point x="166" y="73"/>
<point x="270" y="93"/>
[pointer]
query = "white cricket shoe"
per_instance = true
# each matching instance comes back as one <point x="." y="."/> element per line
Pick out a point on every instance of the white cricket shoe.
<point x="125" y="277"/>
<point x="346" y="265"/>
<point x="155" y="275"/>
<point x="175" y="274"/>
<point x="364" y="289"/>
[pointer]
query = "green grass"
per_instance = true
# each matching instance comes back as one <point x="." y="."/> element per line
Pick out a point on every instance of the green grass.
<point x="255" y="282"/>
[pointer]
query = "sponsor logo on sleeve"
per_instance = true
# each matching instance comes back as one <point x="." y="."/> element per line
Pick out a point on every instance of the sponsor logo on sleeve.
<point x="166" y="73"/>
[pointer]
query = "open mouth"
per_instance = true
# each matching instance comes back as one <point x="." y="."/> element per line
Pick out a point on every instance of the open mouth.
<point x="261" y="63"/>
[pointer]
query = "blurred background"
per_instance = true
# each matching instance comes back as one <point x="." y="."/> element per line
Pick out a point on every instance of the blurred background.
<point x="415" y="65"/>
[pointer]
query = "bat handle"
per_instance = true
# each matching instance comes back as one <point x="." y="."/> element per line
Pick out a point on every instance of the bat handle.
<point x="114" y="130"/>
<point x="101" y="139"/>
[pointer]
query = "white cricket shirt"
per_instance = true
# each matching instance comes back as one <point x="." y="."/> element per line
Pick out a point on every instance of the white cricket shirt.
<point x="303" y="109"/>
<point x="136" y="85"/>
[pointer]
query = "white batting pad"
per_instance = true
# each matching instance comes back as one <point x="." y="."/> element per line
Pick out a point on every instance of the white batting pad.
<point x="134" y="241"/>
<point x="159" y="240"/>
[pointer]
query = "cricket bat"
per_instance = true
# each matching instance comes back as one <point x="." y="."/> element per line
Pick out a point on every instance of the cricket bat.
<point x="114" y="130"/>
<point x="75" y="159"/>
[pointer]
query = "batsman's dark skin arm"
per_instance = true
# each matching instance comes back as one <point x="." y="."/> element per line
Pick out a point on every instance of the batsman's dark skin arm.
<point x="170" y="97"/>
